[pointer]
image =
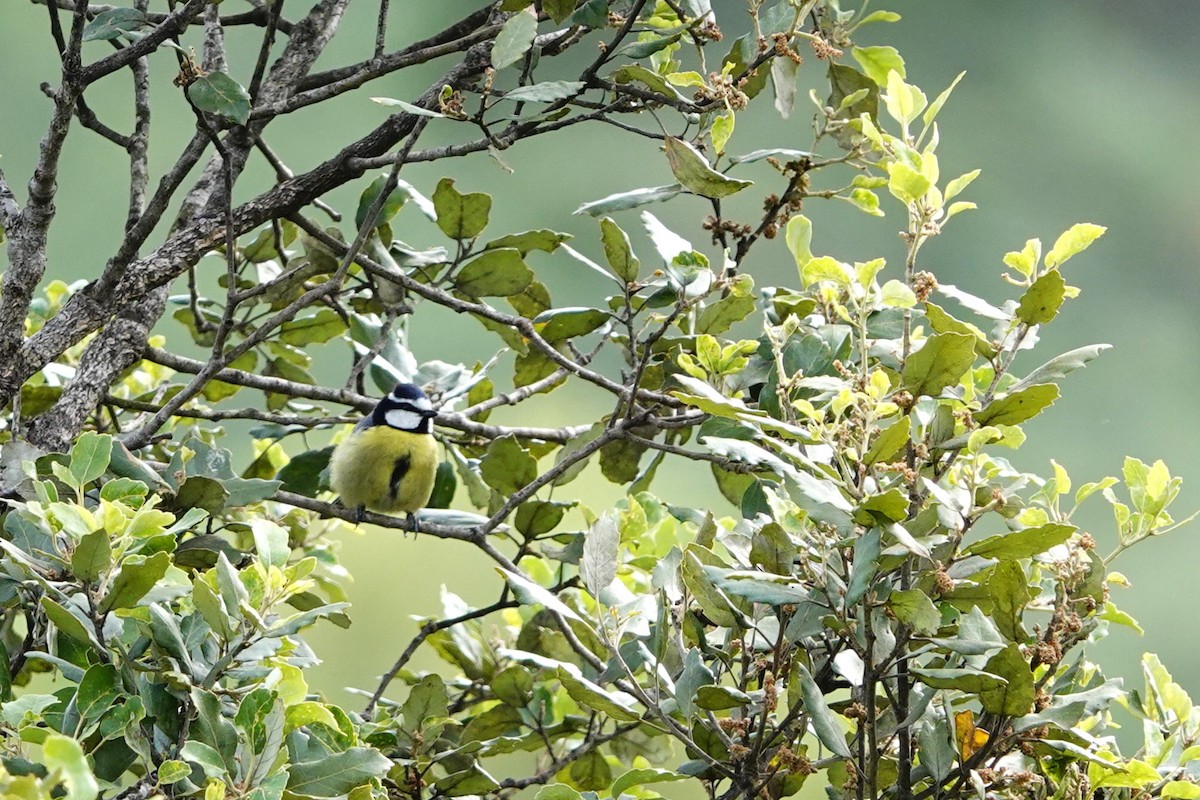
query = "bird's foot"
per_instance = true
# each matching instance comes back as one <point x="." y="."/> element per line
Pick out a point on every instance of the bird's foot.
<point x="360" y="514"/>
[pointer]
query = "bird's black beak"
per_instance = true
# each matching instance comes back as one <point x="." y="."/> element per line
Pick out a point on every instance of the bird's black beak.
<point x="428" y="413"/>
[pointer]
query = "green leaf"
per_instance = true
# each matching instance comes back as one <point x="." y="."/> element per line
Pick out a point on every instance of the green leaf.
<point x="644" y="49"/>
<point x="722" y="127"/>
<point x="545" y="92"/>
<point x="92" y="556"/>
<point x="1074" y="240"/>
<point x="1022" y="544"/>
<point x="211" y="728"/>
<point x="395" y="201"/>
<point x="515" y="38"/>
<point x="320" y="327"/>
<point x="108" y="25"/>
<point x="913" y="607"/>
<point x="827" y="269"/>
<point x="695" y="675"/>
<point x="936" y="748"/>
<point x="904" y="101"/>
<point x="905" y="183"/>
<point x="941" y="362"/>
<point x="474" y="780"/>
<point x="427" y="700"/>
<point x="735" y="306"/>
<point x="543" y="239"/>
<point x="721" y="698"/>
<point x="172" y="771"/>
<point x="641" y="777"/>
<point x="513" y="685"/>
<point x="956" y="186"/>
<point x="823" y="722"/>
<point x="1010" y="591"/>
<point x="507" y="466"/>
<point x="692" y="170"/>
<point x="559" y="324"/>
<point x="558" y="10"/>
<point x="1017" y="407"/>
<point x="591" y="14"/>
<point x="539" y="516"/>
<point x="866" y="563"/>
<point x="877" y="62"/>
<point x="270" y="542"/>
<point x="847" y="82"/>
<point x="90" y="457"/>
<point x="781" y="153"/>
<point x="1041" y="301"/>
<point x="758" y="587"/>
<point x="889" y="441"/>
<point x="1060" y="366"/>
<point x="798" y="235"/>
<point x="618" y="250"/>
<point x="445" y="484"/>
<point x="124" y="490"/>
<point x="1186" y="790"/>
<point x="617" y="705"/>
<point x="494" y="273"/>
<point x="460" y="216"/>
<point x="219" y="94"/>
<point x="302" y="475"/>
<point x="972" y="681"/>
<point x="623" y="201"/>
<point x="64" y="620"/>
<point x="601" y="553"/>
<point x="772" y="550"/>
<point x="713" y="602"/>
<point x="134" y="580"/>
<point x="1014" y="698"/>
<point x="199" y="492"/>
<point x="892" y="505"/>
<point x="936" y="106"/>
<point x="651" y="79"/>
<point x="97" y="691"/>
<point x="499" y="720"/>
<point x="943" y="322"/>
<point x="64" y="757"/>
<point x="337" y="773"/>
<point x="408" y="108"/>
<point x="205" y="757"/>
<point x="620" y="460"/>
<point x="530" y="593"/>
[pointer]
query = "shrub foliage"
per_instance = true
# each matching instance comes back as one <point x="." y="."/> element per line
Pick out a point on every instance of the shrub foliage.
<point x="879" y="603"/>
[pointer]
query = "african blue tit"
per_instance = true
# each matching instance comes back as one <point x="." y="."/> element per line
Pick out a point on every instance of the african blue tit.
<point x="388" y="462"/>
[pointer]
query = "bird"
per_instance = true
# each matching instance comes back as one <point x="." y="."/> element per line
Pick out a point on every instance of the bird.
<point x="389" y="461"/>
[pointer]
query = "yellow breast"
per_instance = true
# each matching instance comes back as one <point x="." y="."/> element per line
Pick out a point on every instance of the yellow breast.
<point x="384" y="469"/>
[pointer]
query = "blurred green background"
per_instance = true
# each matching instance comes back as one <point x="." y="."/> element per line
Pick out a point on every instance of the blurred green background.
<point x="1080" y="110"/>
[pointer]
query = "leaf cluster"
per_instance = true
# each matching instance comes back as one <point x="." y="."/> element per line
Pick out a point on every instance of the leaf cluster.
<point x="875" y="595"/>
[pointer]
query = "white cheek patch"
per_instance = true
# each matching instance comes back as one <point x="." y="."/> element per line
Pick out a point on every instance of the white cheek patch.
<point x="403" y="420"/>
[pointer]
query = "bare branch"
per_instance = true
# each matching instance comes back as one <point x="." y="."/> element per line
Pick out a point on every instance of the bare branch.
<point x="521" y="324"/>
<point x="257" y="17"/>
<point x="118" y="346"/>
<point x="364" y="403"/>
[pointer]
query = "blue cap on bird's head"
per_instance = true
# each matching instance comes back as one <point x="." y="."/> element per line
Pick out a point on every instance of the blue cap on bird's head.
<point x="406" y="408"/>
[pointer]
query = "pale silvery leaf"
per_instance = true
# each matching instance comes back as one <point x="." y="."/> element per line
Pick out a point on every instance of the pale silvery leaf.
<point x="601" y="546"/>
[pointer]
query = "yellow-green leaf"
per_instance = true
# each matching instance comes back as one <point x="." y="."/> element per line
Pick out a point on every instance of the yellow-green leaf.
<point x="1041" y="301"/>
<point x="692" y="170"/>
<point x="1074" y="240"/>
